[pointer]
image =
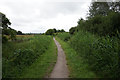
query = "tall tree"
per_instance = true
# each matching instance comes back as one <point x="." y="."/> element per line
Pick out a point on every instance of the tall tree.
<point x="49" y="32"/>
<point x="6" y="30"/>
<point x="5" y="21"/>
<point x="72" y="30"/>
<point x="98" y="8"/>
<point x="19" y="33"/>
<point x="115" y="6"/>
<point x="55" y="30"/>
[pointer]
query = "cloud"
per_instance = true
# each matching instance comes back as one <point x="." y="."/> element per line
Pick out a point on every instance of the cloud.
<point x="40" y="15"/>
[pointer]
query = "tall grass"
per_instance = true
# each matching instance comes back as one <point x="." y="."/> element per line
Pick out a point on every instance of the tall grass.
<point x="64" y="36"/>
<point x="17" y="56"/>
<point x="76" y="64"/>
<point x="43" y="66"/>
<point x="102" y="53"/>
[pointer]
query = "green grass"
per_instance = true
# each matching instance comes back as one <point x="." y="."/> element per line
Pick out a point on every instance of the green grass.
<point x="78" y="68"/>
<point x="18" y="56"/>
<point x="43" y="65"/>
<point x="65" y="36"/>
<point x="101" y="53"/>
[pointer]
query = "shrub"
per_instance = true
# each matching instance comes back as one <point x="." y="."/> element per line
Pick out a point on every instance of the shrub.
<point x="101" y="25"/>
<point x="4" y="39"/>
<point x="64" y="36"/>
<point x="101" y="53"/>
<point x="18" y="56"/>
<point x="72" y="30"/>
<point x="24" y="57"/>
<point x="104" y="57"/>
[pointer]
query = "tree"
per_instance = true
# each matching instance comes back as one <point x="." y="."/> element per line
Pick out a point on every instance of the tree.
<point x="72" y="30"/>
<point x="6" y="30"/>
<point x="98" y="8"/>
<point x="62" y="30"/>
<point x="5" y="21"/>
<point x="55" y="30"/>
<point x="19" y="33"/>
<point x="58" y="30"/>
<point x="114" y="6"/>
<point x="103" y="8"/>
<point x="49" y="32"/>
<point x="13" y="34"/>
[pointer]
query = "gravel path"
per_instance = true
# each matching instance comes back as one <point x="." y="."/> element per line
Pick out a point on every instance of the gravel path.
<point x="60" y="70"/>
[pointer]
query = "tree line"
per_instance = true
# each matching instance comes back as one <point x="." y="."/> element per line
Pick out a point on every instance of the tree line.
<point x="103" y="19"/>
<point x="6" y="30"/>
<point x="53" y="31"/>
<point x="97" y="39"/>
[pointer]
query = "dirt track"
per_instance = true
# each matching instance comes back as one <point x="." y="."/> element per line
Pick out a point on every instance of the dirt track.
<point x="60" y="70"/>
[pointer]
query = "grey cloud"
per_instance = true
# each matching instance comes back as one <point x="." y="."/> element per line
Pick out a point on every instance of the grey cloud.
<point x="45" y="10"/>
<point x="29" y="13"/>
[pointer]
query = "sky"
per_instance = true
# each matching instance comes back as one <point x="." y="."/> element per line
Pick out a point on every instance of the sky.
<point x="37" y="16"/>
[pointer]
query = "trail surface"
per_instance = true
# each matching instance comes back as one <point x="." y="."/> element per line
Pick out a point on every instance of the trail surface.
<point x="60" y="70"/>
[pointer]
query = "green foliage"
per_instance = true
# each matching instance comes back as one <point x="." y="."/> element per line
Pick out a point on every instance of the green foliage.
<point x="103" y="19"/>
<point x="5" y="29"/>
<point x="44" y="64"/>
<point x="81" y="42"/>
<point x="64" y="36"/>
<point x="10" y="32"/>
<point x="53" y="31"/>
<point x="4" y="39"/>
<point x="5" y="20"/>
<point x="18" y="56"/>
<point x="76" y="64"/>
<point x="98" y="8"/>
<point x="72" y="30"/>
<point x="13" y="34"/>
<point x="101" y="25"/>
<point x="62" y="30"/>
<point x="100" y="53"/>
<point x="103" y="8"/>
<point x="49" y="32"/>
<point x="19" y="33"/>
<point x="24" y="57"/>
<point x="104" y="57"/>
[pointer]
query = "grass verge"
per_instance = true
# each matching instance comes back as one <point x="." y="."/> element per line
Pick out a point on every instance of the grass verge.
<point x="43" y="66"/>
<point x="78" y="68"/>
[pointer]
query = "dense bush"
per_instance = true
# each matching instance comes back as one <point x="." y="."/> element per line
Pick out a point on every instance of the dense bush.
<point x="81" y="41"/>
<point x="4" y="39"/>
<point x="101" y="25"/>
<point x="53" y="31"/>
<point x="72" y="30"/>
<point x="102" y="53"/>
<point x="50" y="32"/>
<point x="64" y="36"/>
<point x="18" y="56"/>
<point x="24" y="57"/>
<point x="104" y="57"/>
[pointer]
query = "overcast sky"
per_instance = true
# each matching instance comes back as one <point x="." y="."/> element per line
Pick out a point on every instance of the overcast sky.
<point x="36" y="16"/>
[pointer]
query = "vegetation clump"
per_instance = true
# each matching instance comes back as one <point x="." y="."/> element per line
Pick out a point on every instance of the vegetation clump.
<point x="23" y="54"/>
<point x="97" y="39"/>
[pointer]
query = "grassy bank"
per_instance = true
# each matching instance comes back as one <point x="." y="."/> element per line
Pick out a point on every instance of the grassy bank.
<point x="78" y="68"/>
<point x="43" y="65"/>
<point x="19" y="55"/>
<point x="101" y="54"/>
